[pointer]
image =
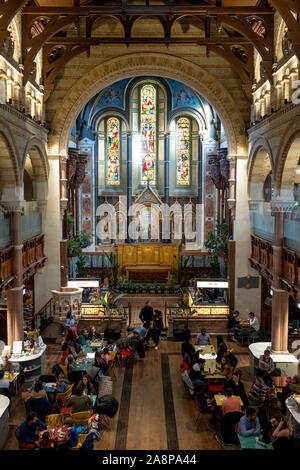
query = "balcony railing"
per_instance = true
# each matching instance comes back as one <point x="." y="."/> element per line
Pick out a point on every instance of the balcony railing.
<point x="31" y="221"/>
<point x="292" y="234"/>
<point x="4" y="231"/>
<point x="262" y="224"/>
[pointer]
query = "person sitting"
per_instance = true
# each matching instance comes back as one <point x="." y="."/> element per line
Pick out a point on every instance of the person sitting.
<point x="224" y="367"/>
<point x="233" y="324"/>
<point x="231" y="404"/>
<point x="83" y="337"/>
<point x="253" y="321"/>
<point x="99" y="368"/>
<point x="266" y="365"/>
<point x="79" y="402"/>
<point x="4" y="383"/>
<point x="187" y="350"/>
<point x="87" y="386"/>
<point x="61" y="385"/>
<point x="6" y="365"/>
<point x="237" y="387"/>
<point x="249" y="424"/>
<point x="36" y="392"/>
<point x="71" y="439"/>
<point x="185" y="374"/>
<point x="280" y="434"/>
<point x="197" y="373"/>
<point x="46" y="441"/>
<point x="28" y="438"/>
<point x="71" y="335"/>
<point x="110" y="345"/>
<point x="106" y="355"/>
<point x="259" y="395"/>
<point x="93" y="335"/>
<point x="203" y="339"/>
<point x="222" y="348"/>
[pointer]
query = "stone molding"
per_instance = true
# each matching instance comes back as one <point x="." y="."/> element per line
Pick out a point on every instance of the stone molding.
<point x="282" y="206"/>
<point x="148" y="63"/>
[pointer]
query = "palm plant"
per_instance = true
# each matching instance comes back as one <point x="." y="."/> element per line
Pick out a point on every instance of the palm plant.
<point x="109" y="302"/>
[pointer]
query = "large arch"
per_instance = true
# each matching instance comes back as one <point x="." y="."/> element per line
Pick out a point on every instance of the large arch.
<point x="260" y="164"/>
<point x="134" y="64"/>
<point x="36" y="151"/>
<point x="287" y="161"/>
<point x="9" y="167"/>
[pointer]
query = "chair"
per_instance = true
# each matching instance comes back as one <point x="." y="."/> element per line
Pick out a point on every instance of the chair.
<point x="62" y="398"/>
<point x="256" y="336"/>
<point x="81" y="440"/>
<point x="215" y="385"/>
<point x="82" y="417"/>
<point x="201" y="411"/>
<point x="244" y="335"/>
<point x="54" y="420"/>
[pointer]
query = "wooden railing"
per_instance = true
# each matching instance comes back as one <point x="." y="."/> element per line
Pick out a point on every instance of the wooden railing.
<point x="262" y="260"/>
<point x="33" y="251"/>
<point x="32" y="256"/>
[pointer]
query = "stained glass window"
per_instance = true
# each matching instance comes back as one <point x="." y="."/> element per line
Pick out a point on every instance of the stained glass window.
<point x="183" y="151"/>
<point x="148" y="133"/>
<point x="113" y="151"/>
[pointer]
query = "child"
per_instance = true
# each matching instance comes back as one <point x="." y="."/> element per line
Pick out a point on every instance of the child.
<point x="45" y="441"/>
<point x="72" y="436"/>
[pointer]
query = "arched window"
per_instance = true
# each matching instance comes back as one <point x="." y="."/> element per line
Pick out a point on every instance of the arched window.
<point x="113" y="151"/>
<point x="148" y="117"/>
<point x="183" y="151"/>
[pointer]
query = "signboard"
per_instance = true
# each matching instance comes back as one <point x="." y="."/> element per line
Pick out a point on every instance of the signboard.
<point x="83" y="284"/>
<point x="213" y="284"/>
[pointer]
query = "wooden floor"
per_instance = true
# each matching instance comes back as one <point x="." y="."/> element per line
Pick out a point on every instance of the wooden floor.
<point x="155" y="411"/>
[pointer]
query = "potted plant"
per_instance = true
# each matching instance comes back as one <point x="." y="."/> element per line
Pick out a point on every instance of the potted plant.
<point x="152" y="288"/>
<point x="113" y="262"/>
<point x="109" y="302"/>
<point x="144" y="288"/>
<point x="216" y="245"/>
<point x="76" y="243"/>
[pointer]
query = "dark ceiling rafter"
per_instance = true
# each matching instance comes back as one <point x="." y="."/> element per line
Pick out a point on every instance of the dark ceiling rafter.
<point x="286" y="8"/>
<point x="264" y="45"/>
<point x="32" y="45"/>
<point x="8" y="11"/>
<point x="51" y="70"/>
<point x="233" y="18"/>
<point x="243" y="69"/>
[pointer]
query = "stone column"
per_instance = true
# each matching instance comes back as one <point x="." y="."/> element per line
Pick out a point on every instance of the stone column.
<point x="280" y="299"/>
<point x="129" y="178"/>
<point x="15" y="317"/>
<point x="200" y="168"/>
<point x="166" y="172"/>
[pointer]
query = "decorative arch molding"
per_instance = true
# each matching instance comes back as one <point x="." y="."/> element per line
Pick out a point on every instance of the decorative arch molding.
<point x="259" y="144"/>
<point x="13" y="168"/>
<point x="147" y="64"/>
<point x="285" y="160"/>
<point x="108" y="112"/>
<point x="38" y="155"/>
<point x="192" y="113"/>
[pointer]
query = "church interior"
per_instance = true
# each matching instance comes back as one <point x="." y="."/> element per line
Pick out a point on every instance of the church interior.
<point x="149" y="223"/>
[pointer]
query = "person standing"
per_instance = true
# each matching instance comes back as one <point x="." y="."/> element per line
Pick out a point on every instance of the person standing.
<point x="155" y="329"/>
<point x="296" y="319"/>
<point x="146" y="315"/>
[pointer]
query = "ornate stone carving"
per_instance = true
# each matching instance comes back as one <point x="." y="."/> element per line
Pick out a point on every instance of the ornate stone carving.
<point x="148" y="195"/>
<point x="282" y="206"/>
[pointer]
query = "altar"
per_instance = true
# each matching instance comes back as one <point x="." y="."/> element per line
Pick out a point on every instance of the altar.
<point x="148" y="261"/>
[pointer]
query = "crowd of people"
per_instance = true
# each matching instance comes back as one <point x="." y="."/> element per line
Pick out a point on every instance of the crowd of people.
<point x="257" y="413"/>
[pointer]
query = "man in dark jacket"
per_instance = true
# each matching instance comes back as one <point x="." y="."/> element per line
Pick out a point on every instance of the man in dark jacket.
<point x="155" y="328"/>
<point x="146" y="315"/>
<point x="28" y="431"/>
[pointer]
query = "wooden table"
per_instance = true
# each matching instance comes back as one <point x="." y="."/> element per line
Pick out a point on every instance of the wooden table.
<point x="220" y="398"/>
<point x="250" y="442"/>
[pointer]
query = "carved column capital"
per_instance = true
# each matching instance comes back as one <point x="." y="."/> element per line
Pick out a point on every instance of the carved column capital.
<point x="279" y="206"/>
<point x="63" y="207"/>
<point x="13" y="206"/>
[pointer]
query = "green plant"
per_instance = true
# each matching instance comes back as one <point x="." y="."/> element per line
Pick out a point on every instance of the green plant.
<point x="217" y="241"/>
<point x="76" y="243"/>
<point x="70" y="221"/>
<point x="110" y="305"/>
<point x="113" y="261"/>
<point x="80" y="265"/>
